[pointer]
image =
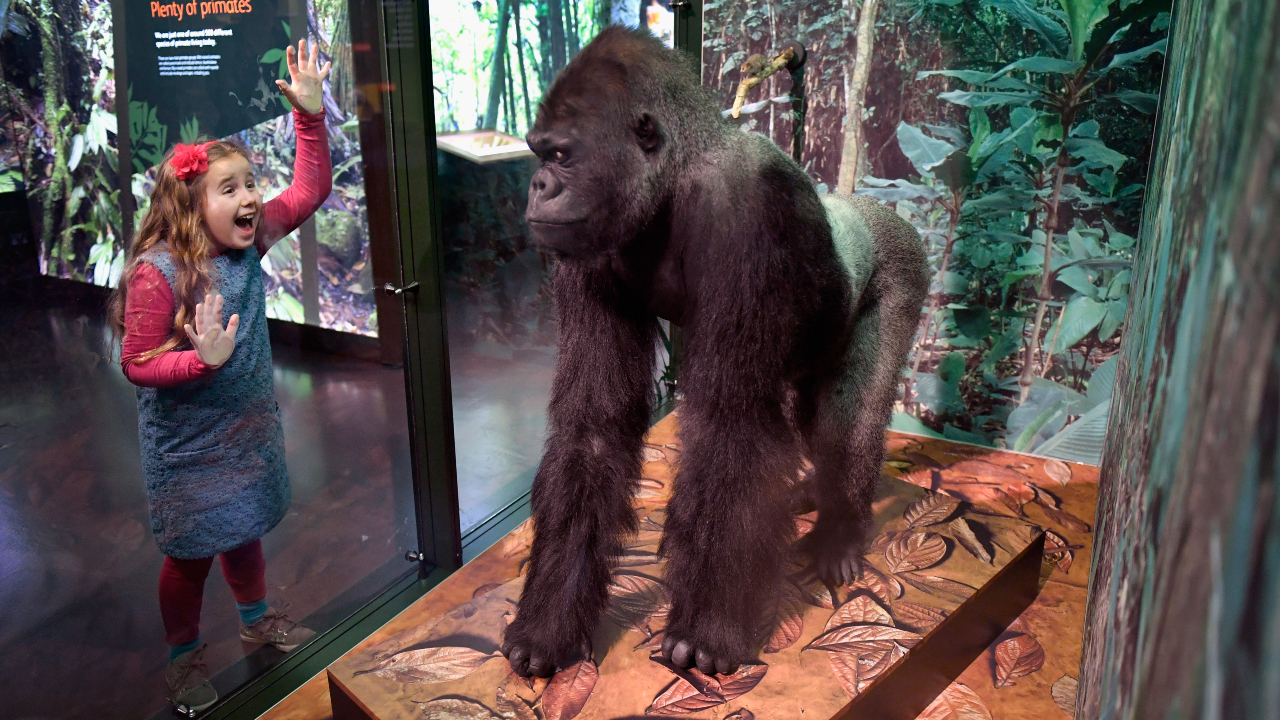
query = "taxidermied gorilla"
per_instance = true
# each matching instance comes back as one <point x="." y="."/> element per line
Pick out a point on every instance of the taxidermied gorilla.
<point x="798" y="313"/>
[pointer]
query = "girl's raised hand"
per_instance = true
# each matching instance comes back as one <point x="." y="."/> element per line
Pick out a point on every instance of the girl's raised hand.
<point x="211" y="342"/>
<point x="305" y="90"/>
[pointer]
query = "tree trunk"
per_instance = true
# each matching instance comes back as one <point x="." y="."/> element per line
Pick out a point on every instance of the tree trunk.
<point x="509" y="101"/>
<point x="524" y="79"/>
<point x="55" y="108"/>
<point x="555" y="13"/>
<point x="497" y="67"/>
<point x="571" y="26"/>
<point x="544" y="46"/>
<point x="855" y="92"/>
<point x="1181" y="620"/>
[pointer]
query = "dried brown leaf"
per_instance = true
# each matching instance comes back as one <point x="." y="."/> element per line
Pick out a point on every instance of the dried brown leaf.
<point x="938" y="586"/>
<point x="1066" y="520"/>
<point x="930" y="509"/>
<point x="957" y="702"/>
<point x="431" y="665"/>
<point x="803" y="526"/>
<point x="981" y="471"/>
<point x="920" y="617"/>
<point x="1064" y="694"/>
<point x="863" y="639"/>
<point x="873" y="665"/>
<point x="895" y="442"/>
<point x="817" y="595"/>
<point x="736" y="684"/>
<point x="636" y="596"/>
<point x="883" y="540"/>
<point x="569" y="690"/>
<point x="1022" y="493"/>
<point x="650" y="488"/>
<point x="788" y="619"/>
<point x="455" y="709"/>
<point x="1009" y="501"/>
<point x="484" y="589"/>
<point x="1016" y="657"/>
<point x="1058" y="471"/>
<point x="513" y="708"/>
<point x="845" y="668"/>
<point x="650" y="525"/>
<point x="680" y="697"/>
<point x="860" y="609"/>
<point x="636" y="558"/>
<point x="917" y="552"/>
<point x="653" y="643"/>
<point x="740" y="714"/>
<point x="654" y="453"/>
<point x="518" y="540"/>
<point x="705" y="684"/>
<point x="1057" y="551"/>
<point x="1044" y="497"/>
<point x="963" y="534"/>
<point x="885" y="587"/>
<point x="921" y="459"/>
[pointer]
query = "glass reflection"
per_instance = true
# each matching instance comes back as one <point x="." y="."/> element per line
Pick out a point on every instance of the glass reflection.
<point x="492" y="60"/>
<point x="83" y="632"/>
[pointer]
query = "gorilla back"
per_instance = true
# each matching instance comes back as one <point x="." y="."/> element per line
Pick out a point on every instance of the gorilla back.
<point x="798" y="314"/>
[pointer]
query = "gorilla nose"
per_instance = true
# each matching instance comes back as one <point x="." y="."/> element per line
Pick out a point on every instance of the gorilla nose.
<point x="545" y="185"/>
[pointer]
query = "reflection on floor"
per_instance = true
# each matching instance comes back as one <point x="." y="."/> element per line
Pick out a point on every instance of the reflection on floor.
<point x="80" y="631"/>
<point x="1028" y="673"/>
<point x="499" y="424"/>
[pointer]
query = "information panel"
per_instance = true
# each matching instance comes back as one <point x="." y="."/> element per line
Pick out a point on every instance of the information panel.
<point x="203" y="68"/>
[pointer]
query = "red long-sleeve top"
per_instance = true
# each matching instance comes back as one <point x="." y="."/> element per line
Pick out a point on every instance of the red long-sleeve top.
<point x="149" y="305"/>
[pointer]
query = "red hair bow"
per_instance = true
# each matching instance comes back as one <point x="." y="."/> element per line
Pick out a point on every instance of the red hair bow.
<point x="189" y="161"/>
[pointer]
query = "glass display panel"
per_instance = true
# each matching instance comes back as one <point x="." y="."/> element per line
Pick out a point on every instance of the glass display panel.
<point x="492" y="60"/>
<point x="112" y="507"/>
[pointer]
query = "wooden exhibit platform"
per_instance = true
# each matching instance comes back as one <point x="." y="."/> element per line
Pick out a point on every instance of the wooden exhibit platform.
<point x="946" y="579"/>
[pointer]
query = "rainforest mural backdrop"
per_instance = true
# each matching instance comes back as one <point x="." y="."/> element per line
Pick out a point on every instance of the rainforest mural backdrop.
<point x="1015" y="136"/>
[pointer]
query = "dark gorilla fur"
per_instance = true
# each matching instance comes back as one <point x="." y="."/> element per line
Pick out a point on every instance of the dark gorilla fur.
<point x="798" y="313"/>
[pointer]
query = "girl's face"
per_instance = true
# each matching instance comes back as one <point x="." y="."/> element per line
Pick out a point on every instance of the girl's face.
<point x="232" y="203"/>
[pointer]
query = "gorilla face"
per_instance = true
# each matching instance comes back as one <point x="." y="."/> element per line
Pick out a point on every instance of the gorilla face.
<point x="585" y="196"/>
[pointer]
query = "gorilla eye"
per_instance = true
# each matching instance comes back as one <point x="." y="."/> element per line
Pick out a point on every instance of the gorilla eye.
<point x="559" y="156"/>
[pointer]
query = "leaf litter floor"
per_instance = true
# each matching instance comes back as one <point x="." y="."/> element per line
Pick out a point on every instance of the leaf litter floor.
<point x="1029" y="671"/>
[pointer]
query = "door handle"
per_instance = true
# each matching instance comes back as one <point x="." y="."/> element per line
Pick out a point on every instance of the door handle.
<point x="393" y="291"/>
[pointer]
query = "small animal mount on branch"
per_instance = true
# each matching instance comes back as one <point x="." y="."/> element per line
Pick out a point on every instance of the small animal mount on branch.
<point x="756" y="68"/>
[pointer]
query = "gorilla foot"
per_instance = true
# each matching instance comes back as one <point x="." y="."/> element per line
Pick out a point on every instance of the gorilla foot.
<point x="686" y="652"/>
<point x="837" y="556"/>
<point x="531" y="657"/>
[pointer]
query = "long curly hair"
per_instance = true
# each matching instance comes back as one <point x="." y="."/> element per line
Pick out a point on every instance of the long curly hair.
<point x="175" y="218"/>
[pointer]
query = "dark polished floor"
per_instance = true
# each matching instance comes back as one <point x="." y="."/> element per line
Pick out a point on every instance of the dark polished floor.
<point x="80" y="631"/>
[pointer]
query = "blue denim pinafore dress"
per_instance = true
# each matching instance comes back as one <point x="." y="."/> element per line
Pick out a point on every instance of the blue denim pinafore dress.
<point x="213" y="449"/>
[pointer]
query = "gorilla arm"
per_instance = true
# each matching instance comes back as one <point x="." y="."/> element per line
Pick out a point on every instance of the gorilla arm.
<point x="598" y="414"/>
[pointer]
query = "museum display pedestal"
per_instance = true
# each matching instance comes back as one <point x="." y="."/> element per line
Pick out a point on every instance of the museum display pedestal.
<point x="944" y="579"/>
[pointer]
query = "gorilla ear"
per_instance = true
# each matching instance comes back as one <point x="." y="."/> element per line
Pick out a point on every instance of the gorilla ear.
<point x="648" y="133"/>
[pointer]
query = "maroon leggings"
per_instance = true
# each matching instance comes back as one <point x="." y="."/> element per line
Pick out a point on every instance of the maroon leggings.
<point x="182" y="588"/>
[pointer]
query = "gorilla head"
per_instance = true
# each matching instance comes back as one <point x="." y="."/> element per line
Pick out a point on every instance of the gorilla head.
<point x="609" y="143"/>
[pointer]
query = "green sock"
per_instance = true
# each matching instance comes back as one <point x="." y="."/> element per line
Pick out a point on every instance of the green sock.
<point x="251" y="613"/>
<point x="176" y="650"/>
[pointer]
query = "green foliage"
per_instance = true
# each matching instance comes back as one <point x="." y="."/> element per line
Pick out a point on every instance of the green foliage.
<point x="189" y="131"/>
<point x="148" y="137"/>
<point x="1036" y="147"/>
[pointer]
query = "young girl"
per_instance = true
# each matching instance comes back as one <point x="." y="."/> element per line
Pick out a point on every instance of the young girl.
<point x="209" y="426"/>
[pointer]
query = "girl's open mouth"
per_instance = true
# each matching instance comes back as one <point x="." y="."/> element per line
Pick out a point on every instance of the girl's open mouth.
<point x="245" y="222"/>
